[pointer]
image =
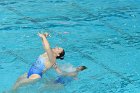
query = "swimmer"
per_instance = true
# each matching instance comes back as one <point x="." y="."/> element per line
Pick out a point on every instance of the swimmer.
<point x="44" y="62"/>
<point x="65" y="79"/>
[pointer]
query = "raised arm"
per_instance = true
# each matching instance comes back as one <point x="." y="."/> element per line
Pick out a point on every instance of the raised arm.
<point x="45" y="42"/>
<point x="46" y="45"/>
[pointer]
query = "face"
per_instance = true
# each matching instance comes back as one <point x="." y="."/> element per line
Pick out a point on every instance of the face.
<point x="58" y="50"/>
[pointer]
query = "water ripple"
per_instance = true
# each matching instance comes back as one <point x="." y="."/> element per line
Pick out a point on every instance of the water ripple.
<point x="55" y="1"/>
<point x="112" y="41"/>
<point x="8" y="3"/>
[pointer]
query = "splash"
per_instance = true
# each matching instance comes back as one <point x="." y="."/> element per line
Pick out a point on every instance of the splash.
<point x="67" y="67"/>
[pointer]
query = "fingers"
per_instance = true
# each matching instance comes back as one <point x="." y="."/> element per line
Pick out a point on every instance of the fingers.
<point x="38" y="33"/>
<point x="44" y="34"/>
<point x="47" y="34"/>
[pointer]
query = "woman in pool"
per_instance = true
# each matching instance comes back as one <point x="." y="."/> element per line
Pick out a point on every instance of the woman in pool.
<point x="44" y="62"/>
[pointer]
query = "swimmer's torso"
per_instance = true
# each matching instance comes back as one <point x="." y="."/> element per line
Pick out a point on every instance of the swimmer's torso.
<point x="47" y="62"/>
<point x="40" y="66"/>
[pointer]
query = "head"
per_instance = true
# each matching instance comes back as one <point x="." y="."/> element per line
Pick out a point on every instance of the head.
<point x="59" y="52"/>
<point x="81" y="68"/>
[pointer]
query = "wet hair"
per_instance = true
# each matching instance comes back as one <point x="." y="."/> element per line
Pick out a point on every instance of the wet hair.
<point x="61" y="55"/>
<point x="83" y="68"/>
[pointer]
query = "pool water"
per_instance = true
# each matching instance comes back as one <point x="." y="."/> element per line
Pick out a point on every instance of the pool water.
<point x="103" y="35"/>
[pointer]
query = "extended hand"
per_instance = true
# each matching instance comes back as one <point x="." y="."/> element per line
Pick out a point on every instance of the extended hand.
<point x="41" y="35"/>
<point x="46" y="34"/>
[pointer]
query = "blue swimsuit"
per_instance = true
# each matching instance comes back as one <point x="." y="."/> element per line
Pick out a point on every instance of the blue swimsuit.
<point x="37" y="67"/>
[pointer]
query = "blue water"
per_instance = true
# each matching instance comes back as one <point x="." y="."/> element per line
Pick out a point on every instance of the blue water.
<point x="103" y="35"/>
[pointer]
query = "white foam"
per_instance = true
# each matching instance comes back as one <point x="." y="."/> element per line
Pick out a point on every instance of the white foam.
<point x="67" y="67"/>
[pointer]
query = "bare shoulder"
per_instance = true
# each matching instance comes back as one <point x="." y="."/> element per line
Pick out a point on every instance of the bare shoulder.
<point x="44" y="54"/>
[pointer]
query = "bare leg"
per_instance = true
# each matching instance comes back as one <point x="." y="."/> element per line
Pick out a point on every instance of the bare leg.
<point x="22" y="80"/>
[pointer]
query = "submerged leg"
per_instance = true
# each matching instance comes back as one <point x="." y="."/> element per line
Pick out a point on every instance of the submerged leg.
<point x="22" y="80"/>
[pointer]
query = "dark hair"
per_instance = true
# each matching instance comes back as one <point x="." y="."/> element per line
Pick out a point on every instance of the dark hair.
<point x="61" y="55"/>
<point x="83" y="68"/>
